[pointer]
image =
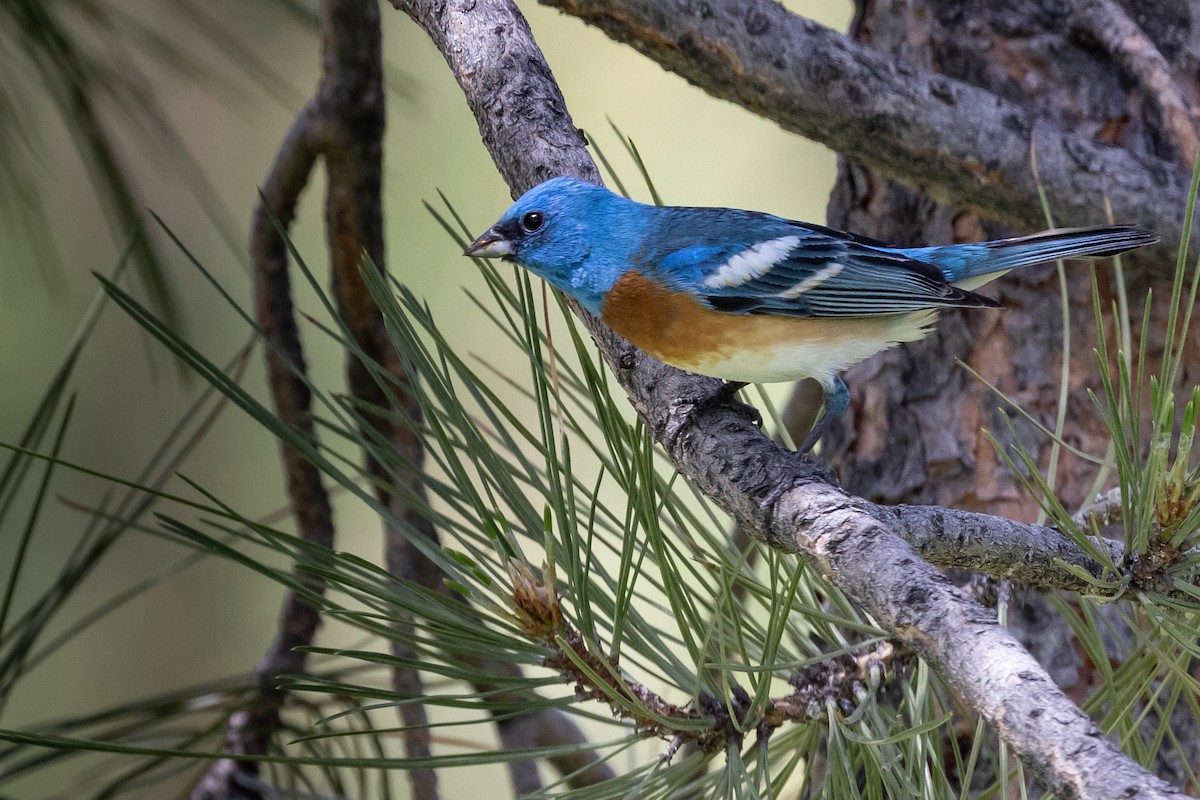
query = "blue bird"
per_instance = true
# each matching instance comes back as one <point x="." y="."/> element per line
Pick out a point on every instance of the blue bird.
<point x="754" y="298"/>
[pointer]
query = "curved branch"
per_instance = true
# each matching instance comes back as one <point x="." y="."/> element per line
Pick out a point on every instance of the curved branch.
<point x="958" y="143"/>
<point x="525" y="126"/>
<point x="251" y="729"/>
<point x="1029" y="554"/>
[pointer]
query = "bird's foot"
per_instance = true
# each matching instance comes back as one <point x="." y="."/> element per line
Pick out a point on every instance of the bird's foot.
<point x="777" y="491"/>
<point x="726" y="396"/>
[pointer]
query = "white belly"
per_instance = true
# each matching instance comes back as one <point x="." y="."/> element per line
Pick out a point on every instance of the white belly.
<point x="809" y="348"/>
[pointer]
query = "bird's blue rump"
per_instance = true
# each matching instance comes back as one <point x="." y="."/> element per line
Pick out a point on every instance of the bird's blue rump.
<point x="965" y="264"/>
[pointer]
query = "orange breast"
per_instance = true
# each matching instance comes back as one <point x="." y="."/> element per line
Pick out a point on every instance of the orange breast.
<point x="670" y="326"/>
<point x="677" y="328"/>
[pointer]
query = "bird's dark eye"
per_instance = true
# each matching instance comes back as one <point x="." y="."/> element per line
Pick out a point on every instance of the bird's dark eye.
<point x="532" y="221"/>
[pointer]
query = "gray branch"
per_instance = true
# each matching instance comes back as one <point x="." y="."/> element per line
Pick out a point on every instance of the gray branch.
<point x="526" y="127"/>
<point x="960" y="144"/>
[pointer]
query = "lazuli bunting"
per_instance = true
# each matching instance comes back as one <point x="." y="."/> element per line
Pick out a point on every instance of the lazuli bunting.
<point x="754" y="298"/>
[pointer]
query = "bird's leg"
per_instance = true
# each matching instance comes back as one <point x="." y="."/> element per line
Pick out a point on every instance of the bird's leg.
<point x="837" y="400"/>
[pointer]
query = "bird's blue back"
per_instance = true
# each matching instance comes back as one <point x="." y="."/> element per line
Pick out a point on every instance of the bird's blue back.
<point x="747" y="262"/>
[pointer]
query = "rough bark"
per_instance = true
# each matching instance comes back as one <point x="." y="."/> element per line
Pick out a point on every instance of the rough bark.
<point x="914" y="434"/>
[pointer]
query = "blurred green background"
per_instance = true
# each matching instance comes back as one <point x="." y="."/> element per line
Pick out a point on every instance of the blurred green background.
<point x="213" y="619"/>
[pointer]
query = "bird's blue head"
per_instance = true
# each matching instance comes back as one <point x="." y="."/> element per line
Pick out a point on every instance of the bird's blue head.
<point x="564" y="230"/>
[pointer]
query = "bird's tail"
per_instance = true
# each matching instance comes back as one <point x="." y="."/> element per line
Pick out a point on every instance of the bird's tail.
<point x="971" y="265"/>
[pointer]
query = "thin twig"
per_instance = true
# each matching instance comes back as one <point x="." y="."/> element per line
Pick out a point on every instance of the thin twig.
<point x="840" y="680"/>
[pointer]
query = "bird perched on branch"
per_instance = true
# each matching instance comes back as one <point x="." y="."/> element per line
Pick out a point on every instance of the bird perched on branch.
<point x="754" y="298"/>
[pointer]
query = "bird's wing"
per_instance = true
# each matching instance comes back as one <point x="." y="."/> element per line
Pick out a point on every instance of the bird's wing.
<point x="805" y="270"/>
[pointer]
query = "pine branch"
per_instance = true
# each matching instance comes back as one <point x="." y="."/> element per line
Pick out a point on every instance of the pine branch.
<point x="525" y="125"/>
<point x="840" y="680"/>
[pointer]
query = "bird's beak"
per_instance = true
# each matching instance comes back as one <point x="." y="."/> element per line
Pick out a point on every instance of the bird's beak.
<point x="491" y="244"/>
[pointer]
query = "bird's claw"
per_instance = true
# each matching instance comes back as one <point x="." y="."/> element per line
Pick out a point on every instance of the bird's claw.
<point x="684" y="412"/>
<point x="727" y="396"/>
